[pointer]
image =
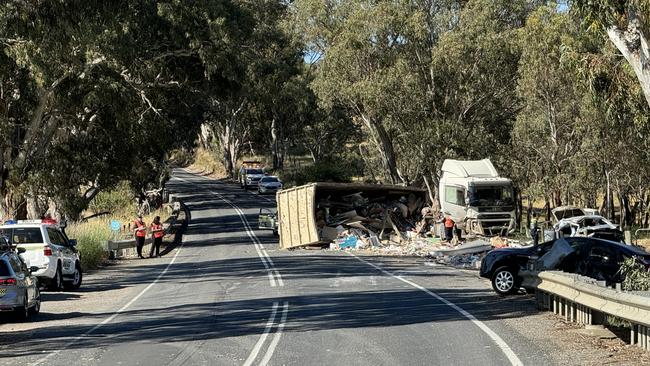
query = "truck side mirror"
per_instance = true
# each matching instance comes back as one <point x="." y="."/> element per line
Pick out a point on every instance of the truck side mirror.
<point x="21" y="250"/>
<point x="73" y="242"/>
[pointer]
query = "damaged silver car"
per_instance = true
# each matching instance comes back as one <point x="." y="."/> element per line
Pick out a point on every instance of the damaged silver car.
<point x="575" y="221"/>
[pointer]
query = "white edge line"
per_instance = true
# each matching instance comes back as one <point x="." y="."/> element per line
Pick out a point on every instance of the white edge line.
<point x="269" y="324"/>
<point x="276" y="337"/>
<point x="512" y="357"/>
<point x="115" y="314"/>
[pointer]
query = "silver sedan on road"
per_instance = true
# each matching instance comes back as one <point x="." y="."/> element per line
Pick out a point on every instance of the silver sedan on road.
<point x="269" y="184"/>
<point x="19" y="292"/>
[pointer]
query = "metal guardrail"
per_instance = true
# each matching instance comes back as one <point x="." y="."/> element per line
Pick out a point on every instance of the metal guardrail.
<point x="582" y="300"/>
<point x="115" y="245"/>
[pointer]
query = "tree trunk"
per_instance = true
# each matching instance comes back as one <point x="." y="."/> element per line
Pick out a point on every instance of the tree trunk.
<point x="633" y="45"/>
<point x="384" y="145"/>
<point x="277" y="145"/>
<point x="206" y="136"/>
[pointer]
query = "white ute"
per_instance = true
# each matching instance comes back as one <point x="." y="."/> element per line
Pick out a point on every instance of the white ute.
<point x="48" y="248"/>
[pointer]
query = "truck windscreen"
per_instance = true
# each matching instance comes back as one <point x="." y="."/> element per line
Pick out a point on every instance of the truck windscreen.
<point x="481" y="196"/>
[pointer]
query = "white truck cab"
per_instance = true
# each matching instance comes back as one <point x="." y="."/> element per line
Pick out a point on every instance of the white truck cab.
<point x="48" y="248"/>
<point x="476" y="197"/>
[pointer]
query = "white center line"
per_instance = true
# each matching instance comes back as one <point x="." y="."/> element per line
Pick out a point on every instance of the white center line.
<point x="276" y="338"/>
<point x="265" y="334"/>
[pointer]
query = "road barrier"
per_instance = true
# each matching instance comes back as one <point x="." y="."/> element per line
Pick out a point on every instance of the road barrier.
<point x="586" y="301"/>
<point x="127" y="247"/>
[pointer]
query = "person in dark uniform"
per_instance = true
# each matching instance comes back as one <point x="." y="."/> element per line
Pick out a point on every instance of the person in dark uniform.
<point x="140" y="232"/>
<point x="534" y="229"/>
<point x="157" y="234"/>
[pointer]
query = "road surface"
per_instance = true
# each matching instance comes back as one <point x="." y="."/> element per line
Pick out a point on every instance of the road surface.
<point x="228" y="296"/>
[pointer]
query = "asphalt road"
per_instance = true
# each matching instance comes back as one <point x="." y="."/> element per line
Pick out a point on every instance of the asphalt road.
<point x="228" y="296"/>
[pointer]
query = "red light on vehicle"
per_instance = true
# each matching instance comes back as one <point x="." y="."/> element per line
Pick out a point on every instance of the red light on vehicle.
<point x="8" y="282"/>
<point x="47" y="251"/>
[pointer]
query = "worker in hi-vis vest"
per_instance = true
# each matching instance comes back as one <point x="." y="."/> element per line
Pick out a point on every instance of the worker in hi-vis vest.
<point x="140" y="232"/>
<point x="157" y="234"/>
<point x="449" y="227"/>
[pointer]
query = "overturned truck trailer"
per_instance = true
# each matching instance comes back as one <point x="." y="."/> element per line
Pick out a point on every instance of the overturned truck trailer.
<point x="309" y="214"/>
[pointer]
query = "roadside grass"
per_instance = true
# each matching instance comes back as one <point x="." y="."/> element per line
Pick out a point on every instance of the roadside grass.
<point x="90" y="237"/>
<point x="208" y="162"/>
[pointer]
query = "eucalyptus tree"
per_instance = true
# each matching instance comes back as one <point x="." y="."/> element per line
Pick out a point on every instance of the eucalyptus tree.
<point x="627" y="23"/>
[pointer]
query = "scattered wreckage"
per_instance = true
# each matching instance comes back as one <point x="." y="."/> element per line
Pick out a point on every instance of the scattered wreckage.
<point x="320" y="213"/>
<point x="574" y="221"/>
<point x="382" y="219"/>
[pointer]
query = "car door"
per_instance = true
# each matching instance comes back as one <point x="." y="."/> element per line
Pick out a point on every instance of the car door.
<point x="67" y="253"/>
<point x="602" y="263"/>
<point x="266" y="219"/>
<point x="23" y="280"/>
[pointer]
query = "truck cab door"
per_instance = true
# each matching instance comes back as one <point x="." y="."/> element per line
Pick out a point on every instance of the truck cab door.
<point x="453" y="202"/>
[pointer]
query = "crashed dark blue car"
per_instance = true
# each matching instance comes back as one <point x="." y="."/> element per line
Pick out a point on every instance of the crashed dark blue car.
<point x="596" y="258"/>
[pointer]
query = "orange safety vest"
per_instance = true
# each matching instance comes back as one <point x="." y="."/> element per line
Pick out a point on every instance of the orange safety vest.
<point x="140" y="233"/>
<point x="449" y="222"/>
<point x="157" y="230"/>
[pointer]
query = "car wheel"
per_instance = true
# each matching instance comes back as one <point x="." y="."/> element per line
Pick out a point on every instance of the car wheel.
<point x="37" y="303"/>
<point x="56" y="283"/>
<point x="22" y="312"/>
<point x="504" y="281"/>
<point x="77" y="277"/>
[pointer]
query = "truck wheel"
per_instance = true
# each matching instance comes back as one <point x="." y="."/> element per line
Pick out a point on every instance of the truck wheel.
<point x="56" y="283"/>
<point x="77" y="277"/>
<point x="504" y="281"/>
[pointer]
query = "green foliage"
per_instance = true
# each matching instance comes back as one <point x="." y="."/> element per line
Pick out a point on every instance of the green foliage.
<point x="636" y="276"/>
<point x="118" y="201"/>
<point x="327" y="171"/>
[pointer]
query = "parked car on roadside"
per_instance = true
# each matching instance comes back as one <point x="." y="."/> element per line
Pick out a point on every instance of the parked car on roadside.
<point x="48" y="249"/>
<point x="592" y="257"/>
<point x="19" y="292"/>
<point x="269" y="184"/>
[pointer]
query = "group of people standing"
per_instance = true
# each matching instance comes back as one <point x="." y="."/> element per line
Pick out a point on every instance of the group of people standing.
<point x="157" y="234"/>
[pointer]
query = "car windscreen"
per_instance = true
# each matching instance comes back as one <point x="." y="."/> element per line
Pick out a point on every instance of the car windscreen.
<point x="254" y="171"/>
<point x="269" y="180"/>
<point x="23" y="235"/>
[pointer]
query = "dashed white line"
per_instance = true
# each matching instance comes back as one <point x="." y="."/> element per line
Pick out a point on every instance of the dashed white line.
<point x="509" y="353"/>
